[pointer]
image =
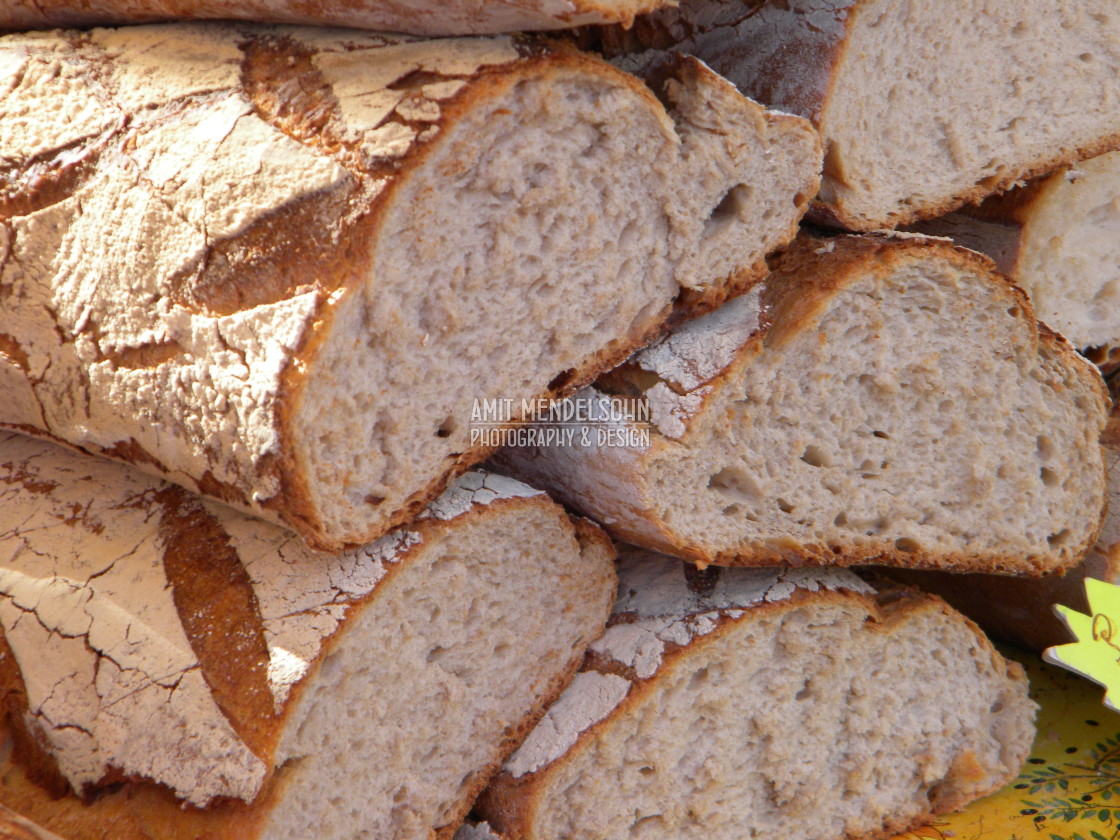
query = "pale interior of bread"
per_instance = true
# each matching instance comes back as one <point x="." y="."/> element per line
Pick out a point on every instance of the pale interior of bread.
<point x="807" y="722"/>
<point x="543" y="229"/>
<point x="1070" y="262"/>
<point x="921" y="414"/>
<point x="421" y="697"/>
<point x="936" y="98"/>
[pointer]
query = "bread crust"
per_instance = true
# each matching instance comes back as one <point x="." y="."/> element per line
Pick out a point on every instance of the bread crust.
<point x="252" y="304"/>
<point x="418" y="18"/>
<point x="792" y="56"/>
<point x="229" y="605"/>
<point x="512" y="804"/>
<point x="612" y="481"/>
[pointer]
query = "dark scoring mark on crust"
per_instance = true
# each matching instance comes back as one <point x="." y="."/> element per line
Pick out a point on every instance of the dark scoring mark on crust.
<point x="216" y="604"/>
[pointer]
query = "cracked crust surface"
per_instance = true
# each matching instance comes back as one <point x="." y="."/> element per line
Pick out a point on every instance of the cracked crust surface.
<point x="171" y="644"/>
<point x="427" y="17"/>
<point x="204" y="269"/>
<point x="921" y="110"/>
<point x="828" y="417"/>
<point x="712" y="705"/>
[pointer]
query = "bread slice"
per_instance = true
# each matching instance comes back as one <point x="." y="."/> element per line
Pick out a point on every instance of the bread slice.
<point x="420" y="17"/>
<point x="1059" y="239"/>
<point x="923" y="106"/>
<point x="883" y="399"/>
<point x="280" y="266"/>
<point x="196" y="673"/>
<point x="766" y="703"/>
<point x="1021" y="610"/>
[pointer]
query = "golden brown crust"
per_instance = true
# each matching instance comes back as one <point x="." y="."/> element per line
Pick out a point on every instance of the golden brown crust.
<point x="512" y="805"/>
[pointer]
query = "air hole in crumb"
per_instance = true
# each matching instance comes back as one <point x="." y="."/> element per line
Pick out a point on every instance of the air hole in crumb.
<point x="804" y="694"/>
<point x="1086" y="57"/>
<point x="646" y="771"/>
<point x="1059" y="539"/>
<point x="448" y="427"/>
<point x="1045" y="447"/>
<point x="373" y="500"/>
<point x="996" y="707"/>
<point x="784" y="506"/>
<point x="906" y="544"/>
<point x="841" y="520"/>
<point x="882" y="435"/>
<point x="1014" y="311"/>
<point x="729" y="209"/>
<point x="1049" y="477"/>
<point x="698" y="678"/>
<point x="731" y="510"/>
<point x="436" y="654"/>
<point x="814" y="456"/>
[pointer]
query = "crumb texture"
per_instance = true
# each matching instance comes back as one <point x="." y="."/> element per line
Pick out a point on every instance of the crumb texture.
<point x="100" y="620"/>
<point x="851" y="427"/>
<point x="817" y="716"/>
<point x="257" y="261"/>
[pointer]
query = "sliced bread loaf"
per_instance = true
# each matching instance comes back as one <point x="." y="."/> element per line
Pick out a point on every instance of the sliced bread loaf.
<point x="421" y="17"/>
<point x="1059" y="239"/>
<point x="885" y="399"/>
<point x="923" y="105"/>
<point x="279" y="266"/>
<point x="766" y="703"/>
<point x="171" y="668"/>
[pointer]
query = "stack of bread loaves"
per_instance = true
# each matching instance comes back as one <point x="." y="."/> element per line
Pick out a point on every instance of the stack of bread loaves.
<point x="254" y="285"/>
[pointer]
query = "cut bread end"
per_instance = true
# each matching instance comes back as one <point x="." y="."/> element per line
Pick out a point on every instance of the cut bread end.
<point x="817" y="711"/>
<point x="606" y="227"/>
<point x="881" y="400"/>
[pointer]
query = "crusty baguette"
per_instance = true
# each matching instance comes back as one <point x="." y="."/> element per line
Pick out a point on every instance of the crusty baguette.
<point x="199" y="673"/>
<point x="1021" y="610"/>
<point x="766" y="703"/>
<point x="879" y="399"/>
<point x="420" y="17"/>
<point x="279" y="266"/>
<point x="1059" y="239"/>
<point x="923" y="105"/>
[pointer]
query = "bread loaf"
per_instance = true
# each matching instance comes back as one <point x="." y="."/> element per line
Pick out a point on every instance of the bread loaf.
<point x="766" y="703"/>
<point x="1059" y="239"/>
<point x="279" y="266"/>
<point x="172" y="668"/>
<point x="879" y="399"/>
<point x="923" y="105"/>
<point x="1021" y="610"/>
<point x="421" y="17"/>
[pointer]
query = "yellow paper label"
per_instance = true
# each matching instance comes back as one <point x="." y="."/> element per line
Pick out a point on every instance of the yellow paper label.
<point x="1096" y="653"/>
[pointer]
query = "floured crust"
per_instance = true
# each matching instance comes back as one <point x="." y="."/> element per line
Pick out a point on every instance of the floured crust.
<point x="418" y="18"/>
<point x="664" y="614"/>
<point x="201" y="622"/>
<point x="680" y="379"/>
<point x="147" y="352"/>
